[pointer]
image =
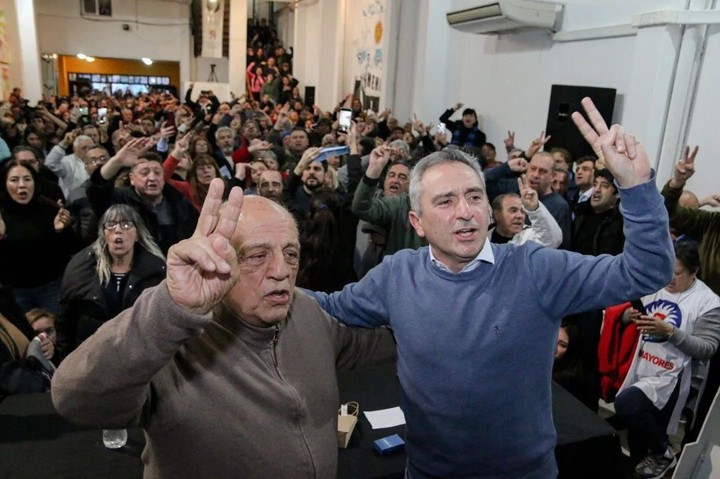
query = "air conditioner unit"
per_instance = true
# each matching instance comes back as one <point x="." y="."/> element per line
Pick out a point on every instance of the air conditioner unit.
<point x="502" y="16"/>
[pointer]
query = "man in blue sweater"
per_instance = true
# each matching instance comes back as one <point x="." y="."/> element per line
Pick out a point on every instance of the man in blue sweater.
<point x="476" y="323"/>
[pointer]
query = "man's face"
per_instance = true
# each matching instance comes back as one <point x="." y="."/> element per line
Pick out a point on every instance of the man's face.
<point x="95" y="158"/>
<point x="511" y="218"/>
<point x="559" y="160"/>
<point x="82" y="149"/>
<point x="604" y="196"/>
<point x="454" y="216"/>
<point x="266" y="241"/>
<point x="147" y="179"/>
<point x="559" y="182"/>
<point x="93" y="133"/>
<point x="225" y="141"/>
<point x="313" y="176"/>
<point x="298" y="141"/>
<point x="251" y="130"/>
<point x="397" y="180"/>
<point x="28" y="157"/>
<point x="585" y="175"/>
<point x="127" y="116"/>
<point x="148" y="126"/>
<point x="468" y="120"/>
<point x="539" y="173"/>
<point x="271" y="184"/>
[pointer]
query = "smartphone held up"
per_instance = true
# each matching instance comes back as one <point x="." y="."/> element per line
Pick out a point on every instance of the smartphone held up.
<point x="344" y="120"/>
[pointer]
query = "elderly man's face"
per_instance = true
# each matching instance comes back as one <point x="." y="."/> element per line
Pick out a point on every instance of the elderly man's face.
<point x="148" y="180"/>
<point x="266" y="241"/>
<point x="454" y="216"/>
<point x="511" y="218"/>
<point x="225" y="141"/>
<point x="82" y="148"/>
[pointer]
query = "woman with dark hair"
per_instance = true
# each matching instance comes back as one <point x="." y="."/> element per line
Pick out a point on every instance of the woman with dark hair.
<point x="568" y="366"/>
<point x="108" y="276"/>
<point x="36" y="139"/>
<point x="33" y="231"/>
<point x="327" y="243"/>
<point x="680" y="326"/>
<point x="200" y="173"/>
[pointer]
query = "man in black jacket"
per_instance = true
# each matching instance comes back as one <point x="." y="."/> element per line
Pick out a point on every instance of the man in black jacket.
<point x="465" y="132"/>
<point x="168" y="215"/>
<point x="598" y="226"/>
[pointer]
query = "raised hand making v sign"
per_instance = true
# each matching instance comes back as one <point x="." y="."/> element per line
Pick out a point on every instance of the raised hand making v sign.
<point x="203" y="268"/>
<point x="625" y="157"/>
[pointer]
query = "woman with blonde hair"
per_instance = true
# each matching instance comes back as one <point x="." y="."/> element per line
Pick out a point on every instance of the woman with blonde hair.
<point x="107" y="276"/>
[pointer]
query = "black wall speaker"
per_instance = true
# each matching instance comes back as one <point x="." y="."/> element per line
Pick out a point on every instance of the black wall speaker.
<point x="564" y="100"/>
<point x="309" y="96"/>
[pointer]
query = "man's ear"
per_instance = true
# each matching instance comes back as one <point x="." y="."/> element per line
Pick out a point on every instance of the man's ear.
<point x="416" y="222"/>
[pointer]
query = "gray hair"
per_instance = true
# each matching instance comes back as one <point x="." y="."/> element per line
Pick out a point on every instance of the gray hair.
<point x="79" y="139"/>
<point x="400" y="145"/>
<point x="439" y="157"/>
<point x="120" y="212"/>
<point x="224" y="128"/>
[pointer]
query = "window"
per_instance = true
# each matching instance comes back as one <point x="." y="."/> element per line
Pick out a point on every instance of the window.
<point x="97" y="7"/>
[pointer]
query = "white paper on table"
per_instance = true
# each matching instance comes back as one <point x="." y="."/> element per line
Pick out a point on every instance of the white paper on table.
<point x="385" y="418"/>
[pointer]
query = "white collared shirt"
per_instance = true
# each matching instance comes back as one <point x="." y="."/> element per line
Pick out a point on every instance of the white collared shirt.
<point x="485" y="255"/>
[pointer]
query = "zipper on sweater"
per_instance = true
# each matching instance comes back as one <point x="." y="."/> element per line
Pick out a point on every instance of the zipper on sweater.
<point x="275" y="339"/>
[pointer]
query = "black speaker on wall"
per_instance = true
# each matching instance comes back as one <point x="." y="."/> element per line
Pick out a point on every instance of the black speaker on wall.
<point x="309" y="96"/>
<point x="564" y="100"/>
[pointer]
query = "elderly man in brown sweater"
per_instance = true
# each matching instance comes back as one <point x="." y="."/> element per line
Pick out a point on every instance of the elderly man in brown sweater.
<point x="228" y="368"/>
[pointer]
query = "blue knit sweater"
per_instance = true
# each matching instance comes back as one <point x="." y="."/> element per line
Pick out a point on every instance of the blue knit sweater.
<point x="475" y="349"/>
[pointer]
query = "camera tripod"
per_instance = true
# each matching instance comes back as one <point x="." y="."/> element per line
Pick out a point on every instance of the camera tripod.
<point x="213" y="76"/>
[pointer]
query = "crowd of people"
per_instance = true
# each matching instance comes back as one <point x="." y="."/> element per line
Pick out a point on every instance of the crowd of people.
<point x="109" y="207"/>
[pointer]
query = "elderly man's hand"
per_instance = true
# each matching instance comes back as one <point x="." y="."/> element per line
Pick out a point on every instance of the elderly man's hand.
<point x="202" y="269"/>
<point x="625" y="157"/>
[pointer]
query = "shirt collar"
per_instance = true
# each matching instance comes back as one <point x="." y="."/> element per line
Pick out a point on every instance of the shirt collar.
<point x="485" y="255"/>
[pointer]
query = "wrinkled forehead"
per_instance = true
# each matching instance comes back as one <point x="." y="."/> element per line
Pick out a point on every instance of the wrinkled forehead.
<point x="263" y="221"/>
<point x="146" y="164"/>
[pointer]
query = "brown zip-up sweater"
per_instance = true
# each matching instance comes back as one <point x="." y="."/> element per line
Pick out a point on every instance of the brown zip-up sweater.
<point x="216" y="396"/>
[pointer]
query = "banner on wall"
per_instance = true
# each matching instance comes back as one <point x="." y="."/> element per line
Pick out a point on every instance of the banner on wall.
<point x="212" y="28"/>
<point x="368" y="52"/>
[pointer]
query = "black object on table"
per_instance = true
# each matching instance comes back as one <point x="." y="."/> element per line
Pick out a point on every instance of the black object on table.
<point x="35" y="442"/>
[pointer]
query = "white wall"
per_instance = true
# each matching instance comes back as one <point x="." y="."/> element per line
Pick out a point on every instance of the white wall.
<point x="704" y="121"/>
<point x="158" y="29"/>
<point x="507" y="78"/>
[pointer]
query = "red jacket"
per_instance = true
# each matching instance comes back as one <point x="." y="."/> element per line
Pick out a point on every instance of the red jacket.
<point x="615" y="351"/>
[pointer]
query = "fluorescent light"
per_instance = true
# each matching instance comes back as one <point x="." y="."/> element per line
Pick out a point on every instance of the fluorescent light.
<point x="147" y="61"/>
<point x="90" y="59"/>
<point x="81" y="56"/>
